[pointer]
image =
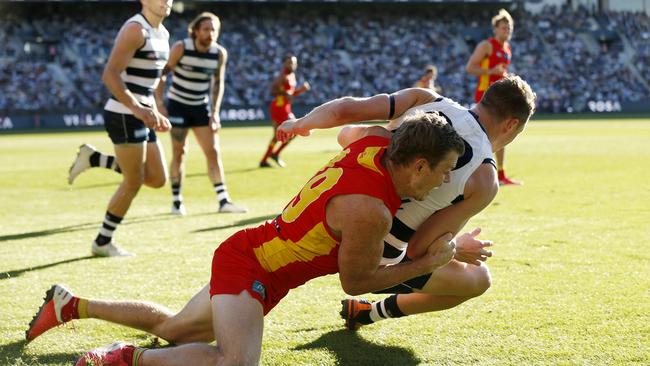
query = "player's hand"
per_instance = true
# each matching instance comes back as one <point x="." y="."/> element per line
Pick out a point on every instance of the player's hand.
<point x="215" y="122"/>
<point x="306" y="86"/>
<point x="162" y="123"/>
<point x="289" y="129"/>
<point x="439" y="253"/>
<point x="147" y="115"/>
<point x="499" y="69"/>
<point x="471" y="250"/>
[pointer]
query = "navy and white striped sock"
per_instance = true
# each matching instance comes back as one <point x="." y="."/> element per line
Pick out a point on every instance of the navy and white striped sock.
<point x="98" y="159"/>
<point x="222" y="193"/>
<point x="176" y="194"/>
<point x="108" y="227"/>
<point x="386" y="308"/>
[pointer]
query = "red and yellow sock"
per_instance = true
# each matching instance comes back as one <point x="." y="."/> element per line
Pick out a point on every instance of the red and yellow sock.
<point x="136" y="355"/>
<point x="502" y="174"/>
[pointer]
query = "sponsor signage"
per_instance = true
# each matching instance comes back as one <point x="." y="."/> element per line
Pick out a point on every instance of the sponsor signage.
<point x="604" y="106"/>
<point x="96" y="118"/>
<point x="234" y="115"/>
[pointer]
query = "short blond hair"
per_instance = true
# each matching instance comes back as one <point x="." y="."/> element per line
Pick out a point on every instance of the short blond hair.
<point x="196" y="22"/>
<point x="502" y="16"/>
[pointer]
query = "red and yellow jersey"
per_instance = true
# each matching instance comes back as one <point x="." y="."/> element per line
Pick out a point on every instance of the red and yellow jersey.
<point x="501" y="54"/>
<point x="298" y="245"/>
<point x="289" y="86"/>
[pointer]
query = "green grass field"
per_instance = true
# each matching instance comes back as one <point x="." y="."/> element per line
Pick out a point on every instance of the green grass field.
<point x="571" y="271"/>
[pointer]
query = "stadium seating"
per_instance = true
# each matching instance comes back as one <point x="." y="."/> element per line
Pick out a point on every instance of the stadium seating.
<point x="571" y="57"/>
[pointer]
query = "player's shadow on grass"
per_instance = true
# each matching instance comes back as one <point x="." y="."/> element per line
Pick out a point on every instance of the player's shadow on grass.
<point x="91" y="186"/>
<point x="252" y="220"/>
<point x="351" y="349"/>
<point x="228" y="172"/>
<point x="12" y="350"/>
<point x="46" y="232"/>
<point x="20" y="272"/>
<point x="13" y="354"/>
<point x="81" y="227"/>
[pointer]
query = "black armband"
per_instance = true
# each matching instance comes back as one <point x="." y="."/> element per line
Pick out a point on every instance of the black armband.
<point x="391" y="102"/>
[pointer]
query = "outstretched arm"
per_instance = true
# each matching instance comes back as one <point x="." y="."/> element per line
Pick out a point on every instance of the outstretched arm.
<point x="303" y="88"/>
<point x="348" y="110"/>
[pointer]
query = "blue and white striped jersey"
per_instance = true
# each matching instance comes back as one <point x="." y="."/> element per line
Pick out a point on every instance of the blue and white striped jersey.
<point x="144" y="70"/>
<point x="193" y="74"/>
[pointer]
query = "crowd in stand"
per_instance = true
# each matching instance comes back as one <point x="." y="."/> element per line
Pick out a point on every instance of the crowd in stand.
<point x="355" y="51"/>
<point x="636" y="27"/>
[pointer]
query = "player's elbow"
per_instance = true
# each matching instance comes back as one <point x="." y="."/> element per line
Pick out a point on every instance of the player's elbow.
<point x="107" y="75"/>
<point x="104" y="76"/>
<point x="349" y="134"/>
<point x="352" y="287"/>
<point x="353" y="291"/>
<point x="343" y="137"/>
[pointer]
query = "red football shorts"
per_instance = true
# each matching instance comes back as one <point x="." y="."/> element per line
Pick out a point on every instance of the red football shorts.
<point x="280" y="114"/>
<point x="235" y="269"/>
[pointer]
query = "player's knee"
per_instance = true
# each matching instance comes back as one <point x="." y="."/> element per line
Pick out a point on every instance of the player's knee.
<point x="185" y="328"/>
<point x="482" y="280"/>
<point x="132" y="183"/>
<point x="182" y="335"/>
<point x="156" y="182"/>
<point x="174" y="334"/>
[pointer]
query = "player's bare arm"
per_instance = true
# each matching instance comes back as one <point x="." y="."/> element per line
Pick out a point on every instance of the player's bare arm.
<point x="362" y="245"/>
<point x="482" y="50"/>
<point x="303" y="88"/>
<point x="348" y="110"/>
<point x="217" y="89"/>
<point x="175" y="54"/>
<point x="480" y="190"/>
<point x="128" y="40"/>
<point x="277" y="86"/>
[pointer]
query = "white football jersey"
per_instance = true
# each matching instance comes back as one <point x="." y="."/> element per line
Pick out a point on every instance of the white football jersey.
<point x="478" y="150"/>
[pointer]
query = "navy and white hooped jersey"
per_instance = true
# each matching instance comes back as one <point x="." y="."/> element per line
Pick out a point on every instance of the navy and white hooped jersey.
<point x="142" y="74"/>
<point x="478" y="150"/>
<point x="193" y="73"/>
